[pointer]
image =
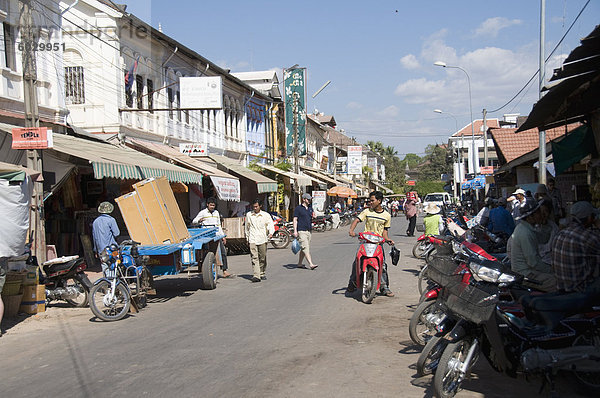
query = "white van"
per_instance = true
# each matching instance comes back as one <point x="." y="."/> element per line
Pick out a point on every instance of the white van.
<point x="438" y="198"/>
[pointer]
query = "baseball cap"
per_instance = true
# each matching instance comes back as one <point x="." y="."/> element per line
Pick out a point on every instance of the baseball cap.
<point x="306" y="196"/>
<point x="583" y="209"/>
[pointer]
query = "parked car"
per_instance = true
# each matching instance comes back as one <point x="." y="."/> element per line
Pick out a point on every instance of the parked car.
<point x="438" y="198"/>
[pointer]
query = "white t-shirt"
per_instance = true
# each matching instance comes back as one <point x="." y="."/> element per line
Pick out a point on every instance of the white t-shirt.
<point x="208" y="219"/>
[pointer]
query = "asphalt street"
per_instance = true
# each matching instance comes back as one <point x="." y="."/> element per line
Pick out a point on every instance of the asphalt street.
<point x="294" y="335"/>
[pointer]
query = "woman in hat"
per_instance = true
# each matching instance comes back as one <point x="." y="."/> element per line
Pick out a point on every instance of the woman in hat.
<point x="433" y="221"/>
<point x="104" y="228"/>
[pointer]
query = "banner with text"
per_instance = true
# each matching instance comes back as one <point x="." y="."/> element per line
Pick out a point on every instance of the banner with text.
<point x="294" y="86"/>
<point x="204" y="92"/>
<point x="318" y="200"/>
<point x="355" y="159"/>
<point x="227" y="188"/>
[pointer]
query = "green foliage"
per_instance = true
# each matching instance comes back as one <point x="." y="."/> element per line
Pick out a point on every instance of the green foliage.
<point x="425" y="187"/>
<point x="435" y="163"/>
<point x="366" y="172"/>
<point x="285" y="166"/>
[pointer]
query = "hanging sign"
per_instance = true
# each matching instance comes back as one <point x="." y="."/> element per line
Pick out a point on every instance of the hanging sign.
<point x="203" y="92"/>
<point x="194" y="150"/>
<point x="32" y="138"/>
<point x="228" y="189"/>
<point x="294" y="88"/>
<point x="355" y="159"/>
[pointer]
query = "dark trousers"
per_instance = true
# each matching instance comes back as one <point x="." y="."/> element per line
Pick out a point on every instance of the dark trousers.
<point x="385" y="280"/>
<point x="412" y="222"/>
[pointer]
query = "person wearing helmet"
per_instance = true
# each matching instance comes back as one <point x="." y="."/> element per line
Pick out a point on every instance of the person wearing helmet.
<point x="104" y="228"/>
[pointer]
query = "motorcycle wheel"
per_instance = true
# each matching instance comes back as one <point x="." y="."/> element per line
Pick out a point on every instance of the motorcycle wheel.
<point x="419" y="249"/>
<point x="82" y="299"/>
<point x="448" y="379"/>
<point x="145" y="285"/>
<point x="109" y="311"/>
<point x="209" y="272"/>
<point x="587" y="382"/>
<point x="418" y="331"/>
<point x="430" y="356"/>
<point x="429" y="254"/>
<point x="370" y="289"/>
<point x="281" y="239"/>
<point x="328" y="226"/>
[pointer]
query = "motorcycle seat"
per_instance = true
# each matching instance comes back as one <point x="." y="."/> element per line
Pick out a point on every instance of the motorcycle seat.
<point x="551" y="308"/>
<point x="53" y="268"/>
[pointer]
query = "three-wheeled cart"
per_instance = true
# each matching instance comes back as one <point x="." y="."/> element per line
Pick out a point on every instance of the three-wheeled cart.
<point x="199" y="250"/>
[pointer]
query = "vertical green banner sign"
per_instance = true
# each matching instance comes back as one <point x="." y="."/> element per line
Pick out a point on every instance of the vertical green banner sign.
<point x="294" y="85"/>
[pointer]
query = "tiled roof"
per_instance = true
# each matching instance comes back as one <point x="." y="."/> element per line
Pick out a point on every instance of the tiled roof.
<point x="477" y="126"/>
<point x="510" y="145"/>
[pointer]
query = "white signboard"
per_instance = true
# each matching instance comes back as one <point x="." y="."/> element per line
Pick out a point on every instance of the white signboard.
<point x="201" y="92"/>
<point x="227" y="188"/>
<point x="372" y="163"/>
<point x="318" y="200"/>
<point x="355" y="160"/>
<point x="194" y="150"/>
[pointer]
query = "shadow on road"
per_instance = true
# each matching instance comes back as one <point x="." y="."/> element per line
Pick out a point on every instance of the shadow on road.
<point x="412" y="271"/>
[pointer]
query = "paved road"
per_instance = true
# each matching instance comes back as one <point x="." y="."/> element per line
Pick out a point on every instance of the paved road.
<point x="294" y="335"/>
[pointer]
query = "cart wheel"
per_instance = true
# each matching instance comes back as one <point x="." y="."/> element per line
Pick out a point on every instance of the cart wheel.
<point x="209" y="272"/>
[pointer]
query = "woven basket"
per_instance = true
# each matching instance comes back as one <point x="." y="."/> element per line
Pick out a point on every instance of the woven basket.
<point x="11" y="288"/>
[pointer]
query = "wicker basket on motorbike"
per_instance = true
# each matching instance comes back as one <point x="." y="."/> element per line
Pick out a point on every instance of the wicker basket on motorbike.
<point x="471" y="302"/>
<point x="445" y="249"/>
<point x="443" y="270"/>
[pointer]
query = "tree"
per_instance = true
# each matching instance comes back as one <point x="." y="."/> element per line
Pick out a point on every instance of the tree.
<point x="435" y="163"/>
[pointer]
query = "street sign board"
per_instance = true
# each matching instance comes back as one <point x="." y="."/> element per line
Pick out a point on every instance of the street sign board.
<point x="411" y="182"/>
<point x="32" y="138"/>
<point x="203" y="92"/>
<point x="355" y="159"/>
<point x="486" y="169"/>
<point x="294" y="85"/>
<point x="194" y="149"/>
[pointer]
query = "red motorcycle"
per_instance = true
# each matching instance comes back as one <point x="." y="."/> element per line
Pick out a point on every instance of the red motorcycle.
<point x="369" y="265"/>
<point x="281" y="237"/>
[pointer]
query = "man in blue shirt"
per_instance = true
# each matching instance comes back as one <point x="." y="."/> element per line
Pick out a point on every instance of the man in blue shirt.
<point x="500" y="220"/>
<point x="104" y="228"/>
<point x="302" y="226"/>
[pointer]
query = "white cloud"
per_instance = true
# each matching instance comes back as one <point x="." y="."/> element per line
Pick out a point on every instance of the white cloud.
<point x="354" y="105"/>
<point x="410" y="62"/>
<point x="390" y="111"/>
<point x="492" y="26"/>
<point x="420" y="91"/>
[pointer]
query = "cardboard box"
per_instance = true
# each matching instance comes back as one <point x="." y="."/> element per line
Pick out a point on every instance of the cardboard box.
<point x="136" y="219"/>
<point x="34" y="299"/>
<point x="234" y="227"/>
<point x="31" y="276"/>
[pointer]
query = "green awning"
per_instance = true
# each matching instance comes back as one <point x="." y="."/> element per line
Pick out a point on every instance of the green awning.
<point x="574" y="147"/>
<point x="121" y="162"/>
<point x="263" y="184"/>
<point x="13" y="176"/>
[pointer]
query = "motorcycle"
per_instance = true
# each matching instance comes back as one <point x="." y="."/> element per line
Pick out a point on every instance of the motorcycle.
<point x="64" y="278"/>
<point x="125" y="285"/>
<point x="541" y="333"/>
<point x="281" y="237"/>
<point x="369" y="265"/>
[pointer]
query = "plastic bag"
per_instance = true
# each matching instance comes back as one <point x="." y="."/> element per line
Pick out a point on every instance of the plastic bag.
<point x="295" y="246"/>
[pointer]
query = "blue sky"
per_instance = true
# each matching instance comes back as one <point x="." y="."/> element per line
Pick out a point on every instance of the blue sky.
<point x="379" y="55"/>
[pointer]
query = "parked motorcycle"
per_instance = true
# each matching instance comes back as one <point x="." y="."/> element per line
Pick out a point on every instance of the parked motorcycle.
<point x="281" y="237"/>
<point x="125" y="285"/>
<point x="63" y="277"/>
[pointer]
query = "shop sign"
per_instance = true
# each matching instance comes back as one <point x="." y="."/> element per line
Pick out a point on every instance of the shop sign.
<point x="294" y="86"/>
<point x="411" y="182"/>
<point x="486" y="170"/>
<point x="194" y="150"/>
<point x="324" y="163"/>
<point x="355" y="159"/>
<point x="318" y="200"/>
<point x="203" y="92"/>
<point x="32" y="138"/>
<point x="227" y="188"/>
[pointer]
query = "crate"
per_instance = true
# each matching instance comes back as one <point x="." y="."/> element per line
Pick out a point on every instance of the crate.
<point x="11" y="305"/>
<point x="472" y="302"/>
<point x="12" y="287"/>
<point x="443" y="270"/>
<point x="234" y="227"/>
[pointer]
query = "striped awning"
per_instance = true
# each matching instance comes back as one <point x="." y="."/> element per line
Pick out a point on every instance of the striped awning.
<point x="121" y="162"/>
<point x="263" y="184"/>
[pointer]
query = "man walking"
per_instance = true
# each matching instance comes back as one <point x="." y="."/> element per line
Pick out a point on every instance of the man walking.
<point x="104" y="228"/>
<point x="259" y="229"/>
<point x="410" y="210"/>
<point x="302" y="230"/>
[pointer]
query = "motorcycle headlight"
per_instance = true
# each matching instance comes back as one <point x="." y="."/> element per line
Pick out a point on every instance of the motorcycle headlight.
<point x="104" y="256"/>
<point x="484" y="273"/>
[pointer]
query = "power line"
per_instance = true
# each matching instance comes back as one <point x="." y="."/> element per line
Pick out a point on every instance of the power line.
<point x="550" y="55"/>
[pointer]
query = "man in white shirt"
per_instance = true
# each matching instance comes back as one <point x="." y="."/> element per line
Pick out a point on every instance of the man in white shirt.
<point x="210" y="217"/>
<point x="259" y="229"/>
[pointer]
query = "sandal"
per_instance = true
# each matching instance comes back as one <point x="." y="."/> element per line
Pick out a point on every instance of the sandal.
<point x="228" y="276"/>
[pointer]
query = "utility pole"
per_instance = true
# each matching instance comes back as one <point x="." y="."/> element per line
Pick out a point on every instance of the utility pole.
<point x="334" y="162"/>
<point x="542" y="150"/>
<point x="485" y="139"/>
<point x="32" y="119"/>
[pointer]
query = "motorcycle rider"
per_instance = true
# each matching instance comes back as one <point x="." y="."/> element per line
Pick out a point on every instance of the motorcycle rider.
<point x="576" y="250"/>
<point x="378" y="221"/>
<point x="433" y="221"/>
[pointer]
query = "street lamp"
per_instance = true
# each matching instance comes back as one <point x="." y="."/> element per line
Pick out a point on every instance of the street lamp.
<point x="462" y="145"/>
<point x="475" y="156"/>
